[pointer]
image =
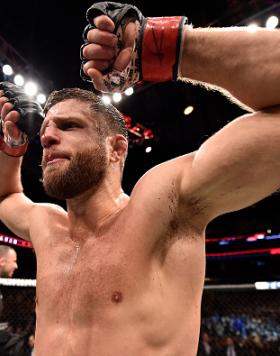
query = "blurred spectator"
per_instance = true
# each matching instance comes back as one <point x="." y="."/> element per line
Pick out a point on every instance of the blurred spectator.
<point x="8" y="265"/>
<point x="205" y="347"/>
<point x="10" y="344"/>
<point x="232" y="348"/>
<point x="8" y="261"/>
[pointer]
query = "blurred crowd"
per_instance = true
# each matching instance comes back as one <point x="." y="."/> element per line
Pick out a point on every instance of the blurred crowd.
<point x="238" y="335"/>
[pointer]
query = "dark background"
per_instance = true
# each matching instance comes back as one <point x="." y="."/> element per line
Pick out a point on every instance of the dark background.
<point x="47" y="38"/>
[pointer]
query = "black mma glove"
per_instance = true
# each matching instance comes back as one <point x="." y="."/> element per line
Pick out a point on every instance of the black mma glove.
<point x="157" y="50"/>
<point x="31" y="118"/>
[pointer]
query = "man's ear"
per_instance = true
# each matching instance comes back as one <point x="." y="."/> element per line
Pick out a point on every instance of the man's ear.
<point x="118" y="147"/>
<point x="2" y="261"/>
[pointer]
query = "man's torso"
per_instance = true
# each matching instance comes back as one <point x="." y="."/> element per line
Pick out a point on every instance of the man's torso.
<point x="132" y="288"/>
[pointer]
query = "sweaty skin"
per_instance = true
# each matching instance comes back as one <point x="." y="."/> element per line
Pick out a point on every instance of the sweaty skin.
<point x="120" y="291"/>
<point x="124" y="276"/>
<point x="127" y="277"/>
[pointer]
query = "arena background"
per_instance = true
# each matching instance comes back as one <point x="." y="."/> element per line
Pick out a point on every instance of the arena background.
<point x="42" y="40"/>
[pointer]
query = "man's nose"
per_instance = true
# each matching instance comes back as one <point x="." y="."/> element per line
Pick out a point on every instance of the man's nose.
<point x="50" y="137"/>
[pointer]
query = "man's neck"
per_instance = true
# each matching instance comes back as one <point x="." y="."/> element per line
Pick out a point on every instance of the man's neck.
<point x="89" y="211"/>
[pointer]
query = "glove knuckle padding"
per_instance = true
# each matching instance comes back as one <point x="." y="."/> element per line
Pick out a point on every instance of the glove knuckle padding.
<point x="31" y="114"/>
<point x="116" y="11"/>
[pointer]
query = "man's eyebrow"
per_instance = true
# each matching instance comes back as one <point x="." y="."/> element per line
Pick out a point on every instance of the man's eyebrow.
<point x="61" y="119"/>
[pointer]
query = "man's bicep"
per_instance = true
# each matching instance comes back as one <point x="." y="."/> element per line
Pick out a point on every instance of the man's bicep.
<point x="15" y="212"/>
<point x="236" y="167"/>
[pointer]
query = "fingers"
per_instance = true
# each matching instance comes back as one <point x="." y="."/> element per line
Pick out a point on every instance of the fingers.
<point x="97" y="79"/>
<point x="102" y="52"/>
<point x="124" y="56"/>
<point x="7" y="112"/>
<point x="102" y="37"/>
<point x="123" y="59"/>
<point x="10" y="117"/>
<point x="130" y="34"/>
<point x="96" y="51"/>
<point x="100" y="65"/>
<point x="104" y="23"/>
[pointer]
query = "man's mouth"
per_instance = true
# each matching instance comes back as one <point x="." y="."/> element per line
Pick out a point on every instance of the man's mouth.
<point x="53" y="158"/>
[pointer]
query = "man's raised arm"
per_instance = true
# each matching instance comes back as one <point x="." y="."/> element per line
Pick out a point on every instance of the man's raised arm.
<point x="19" y="122"/>
<point x="118" y="53"/>
<point x="241" y="62"/>
<point x="237" y="166"/>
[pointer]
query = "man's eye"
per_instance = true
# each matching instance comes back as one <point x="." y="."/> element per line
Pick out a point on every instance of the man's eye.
<point x="68" y="125"/>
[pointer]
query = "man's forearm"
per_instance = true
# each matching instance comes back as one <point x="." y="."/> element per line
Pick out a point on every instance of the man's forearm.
<point x="245" y="64"/>
<point x="10" y="181"/>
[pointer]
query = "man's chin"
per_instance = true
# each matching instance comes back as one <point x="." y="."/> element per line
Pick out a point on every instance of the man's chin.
<point x="72" y="178"/>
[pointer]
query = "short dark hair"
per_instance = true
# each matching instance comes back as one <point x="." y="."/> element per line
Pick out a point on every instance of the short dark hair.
<point x="4" y="250"/>
<point x="109" y="119"/>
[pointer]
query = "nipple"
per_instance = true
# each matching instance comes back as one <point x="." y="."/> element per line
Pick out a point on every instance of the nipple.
<point x="117" y="297"/>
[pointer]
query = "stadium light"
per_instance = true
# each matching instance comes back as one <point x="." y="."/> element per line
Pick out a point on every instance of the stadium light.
<point x="30" y="88"/>
<point x="106" y="99"/>
<point x="18" y="80"/>
<point x="267" y="285"/>
<point x="252" y="27"/>
<point x="117" y="97"/>
<point x="272" y="22"/>
<point x="129" y="91"/>
<point x="41" y="98"/>
<point x="7" y="69"/>
<point x="188" y="110"/>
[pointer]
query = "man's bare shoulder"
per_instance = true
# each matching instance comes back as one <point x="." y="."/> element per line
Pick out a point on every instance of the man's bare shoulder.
<point x="44" y="217"/>
<point x="46" y="211"/>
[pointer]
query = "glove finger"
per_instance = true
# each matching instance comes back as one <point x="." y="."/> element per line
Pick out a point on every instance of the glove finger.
<point x="102" y="38"/>
<point x="104" y="23"/>
<point x="96" y="52"/>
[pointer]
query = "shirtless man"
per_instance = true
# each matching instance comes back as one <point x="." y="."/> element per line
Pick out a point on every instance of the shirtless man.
<point x="8" y="261"/>
<point x="121" y="275"/>
<point x="8" y="265"/>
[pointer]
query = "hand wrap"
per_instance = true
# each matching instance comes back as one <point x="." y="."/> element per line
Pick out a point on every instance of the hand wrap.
<point x="157" y="48"/>
<point x="31" y="118"/>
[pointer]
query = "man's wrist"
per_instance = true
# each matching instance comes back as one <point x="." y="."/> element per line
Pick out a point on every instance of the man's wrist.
<point x="184" y="38"/>
<point x="161" y="52"/>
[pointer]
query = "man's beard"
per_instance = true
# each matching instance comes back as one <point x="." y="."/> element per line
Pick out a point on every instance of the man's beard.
<point x="85" y="172"/>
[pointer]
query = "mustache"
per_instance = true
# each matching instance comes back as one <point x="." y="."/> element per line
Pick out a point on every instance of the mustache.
<point x="51" y="154"/>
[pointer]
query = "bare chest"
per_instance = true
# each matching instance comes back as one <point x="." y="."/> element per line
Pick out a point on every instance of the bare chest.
<point x="88" y="281"/>
<point x="118" y="270"/>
